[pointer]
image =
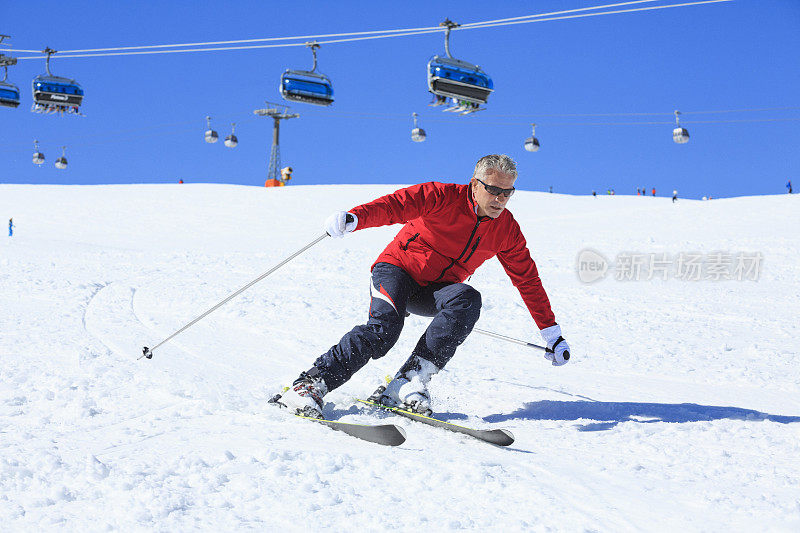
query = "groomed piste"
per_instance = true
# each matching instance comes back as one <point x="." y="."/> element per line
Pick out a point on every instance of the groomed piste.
<point x="680" y="408"/>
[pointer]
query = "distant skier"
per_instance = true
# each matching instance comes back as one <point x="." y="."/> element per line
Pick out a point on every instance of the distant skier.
<point x="286" y="174"/>
<point x="594" y="193"/>
<point x="674" y="196"/>
<point x="789" y="186"/>
<point x="654" y="191"/>
<point x="449" y="231"/>
<point x="10" y="227"/>
<point x="180" y="181"/>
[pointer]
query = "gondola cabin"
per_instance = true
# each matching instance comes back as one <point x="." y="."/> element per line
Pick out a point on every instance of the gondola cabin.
<point x="532" y="144"/>
<point x="38" y="157"/>
<point x="54" y="94"/>
<point x="61" y="162"/>
<point x="231" y="141"/>
<point x="680" y="135"/>
<point x="453" y="78"/>
<point x="211" y="135"/>
<point x="417" y="134"/>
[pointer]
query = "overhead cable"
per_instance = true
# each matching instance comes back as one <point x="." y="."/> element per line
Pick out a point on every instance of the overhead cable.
<point x="658" y="113"/>
<point x="117" y="136"/>
<point x="585" y="15"/>
<point x="620" y="4"/>
<point x="362" y="36"/>
<point x="327" y="35"/>
<point x="527" y="118"/>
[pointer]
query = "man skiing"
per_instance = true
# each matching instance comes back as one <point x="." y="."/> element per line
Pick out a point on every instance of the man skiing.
<point x="449" y="231"/>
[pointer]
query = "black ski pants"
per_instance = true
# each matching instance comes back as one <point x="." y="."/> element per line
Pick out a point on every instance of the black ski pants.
<point x="455" y="308"/>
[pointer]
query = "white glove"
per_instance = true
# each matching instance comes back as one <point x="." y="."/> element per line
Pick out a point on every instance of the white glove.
<point x="557" y="348"/>
<point x="337" y="224"/>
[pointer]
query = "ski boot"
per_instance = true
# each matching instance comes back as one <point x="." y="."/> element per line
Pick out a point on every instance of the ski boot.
<point x="409" y="388"/>
<point x="304" y="397"/>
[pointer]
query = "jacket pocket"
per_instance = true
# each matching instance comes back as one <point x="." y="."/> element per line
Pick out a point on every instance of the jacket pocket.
<point x="411" y="239"/>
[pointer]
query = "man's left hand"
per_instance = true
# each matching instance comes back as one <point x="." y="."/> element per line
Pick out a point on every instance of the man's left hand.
<point x="557" y="348"/>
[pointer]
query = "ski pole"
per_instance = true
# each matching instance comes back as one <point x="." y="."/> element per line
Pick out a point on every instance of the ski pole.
<point x="148" y="352"/>
<point x="517" y="341"/>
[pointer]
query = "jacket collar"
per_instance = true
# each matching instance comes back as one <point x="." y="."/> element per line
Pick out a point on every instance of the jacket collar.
<point x="473" y="205"/>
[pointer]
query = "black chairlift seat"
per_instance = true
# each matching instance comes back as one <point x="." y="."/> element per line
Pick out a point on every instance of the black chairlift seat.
<point x="307" y="87"/>
<point x="56" y="94"/>
<point x="453" y="78"/>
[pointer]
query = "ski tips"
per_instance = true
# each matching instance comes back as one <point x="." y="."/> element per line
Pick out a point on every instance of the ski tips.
<point x="508" y="434"/>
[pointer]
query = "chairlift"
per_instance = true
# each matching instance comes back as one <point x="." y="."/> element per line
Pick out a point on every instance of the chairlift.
<point x="61" y="162"/>
<point x="231" y="141"/>
<point x="464" y="85"/>
<point x="9" y="93"/>
<point x="417" y="134"/>
<point x="211" y="135"/>
<point x="38" y="157"/>
<point x="679" y="135"/>
<point x="54" y="94"/>
<point x="532" y="143"/>
<point x="307" y="86"/>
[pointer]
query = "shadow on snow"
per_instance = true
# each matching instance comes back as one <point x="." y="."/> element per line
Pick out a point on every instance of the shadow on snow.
<point x="609" y="414"/>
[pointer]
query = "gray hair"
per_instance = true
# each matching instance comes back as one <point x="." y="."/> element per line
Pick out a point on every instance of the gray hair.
<point x="499" y="162"/>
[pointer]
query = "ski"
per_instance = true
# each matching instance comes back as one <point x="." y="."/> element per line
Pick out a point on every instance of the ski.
<point x="500" y="437"/>
<point x="383" y="434"/>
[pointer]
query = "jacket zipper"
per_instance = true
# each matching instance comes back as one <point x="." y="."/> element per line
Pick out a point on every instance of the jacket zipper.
<point x="453" y="261"/>
<point x="404" y="248"/>
<point x="475" y="247"/>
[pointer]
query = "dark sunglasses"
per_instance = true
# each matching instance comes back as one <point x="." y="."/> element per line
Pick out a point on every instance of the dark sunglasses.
<point x="496" y="191"/>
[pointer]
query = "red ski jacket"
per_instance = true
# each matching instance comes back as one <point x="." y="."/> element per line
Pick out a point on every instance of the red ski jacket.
<point x="444" y="240"/>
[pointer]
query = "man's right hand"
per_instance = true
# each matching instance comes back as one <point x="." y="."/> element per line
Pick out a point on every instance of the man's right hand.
<point x="340" y="222"/>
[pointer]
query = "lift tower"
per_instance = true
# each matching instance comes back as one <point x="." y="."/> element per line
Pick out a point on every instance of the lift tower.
<point x="277" y="112"/>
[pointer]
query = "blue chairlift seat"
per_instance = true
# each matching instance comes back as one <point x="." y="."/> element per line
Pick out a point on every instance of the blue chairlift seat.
<point x="306" y="86"/>
<point x="9" y="95"/>
<point x="453" y="78"/>
<point x="56" y="94"/>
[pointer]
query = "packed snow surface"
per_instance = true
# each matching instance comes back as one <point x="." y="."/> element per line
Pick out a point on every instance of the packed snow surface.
<point x="679" y="410"/>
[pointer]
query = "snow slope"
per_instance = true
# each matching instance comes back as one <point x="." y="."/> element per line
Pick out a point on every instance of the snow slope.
<point x="680" y="409"/>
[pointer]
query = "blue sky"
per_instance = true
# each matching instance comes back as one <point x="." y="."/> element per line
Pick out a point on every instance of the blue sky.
<point x="145" y="115"/>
